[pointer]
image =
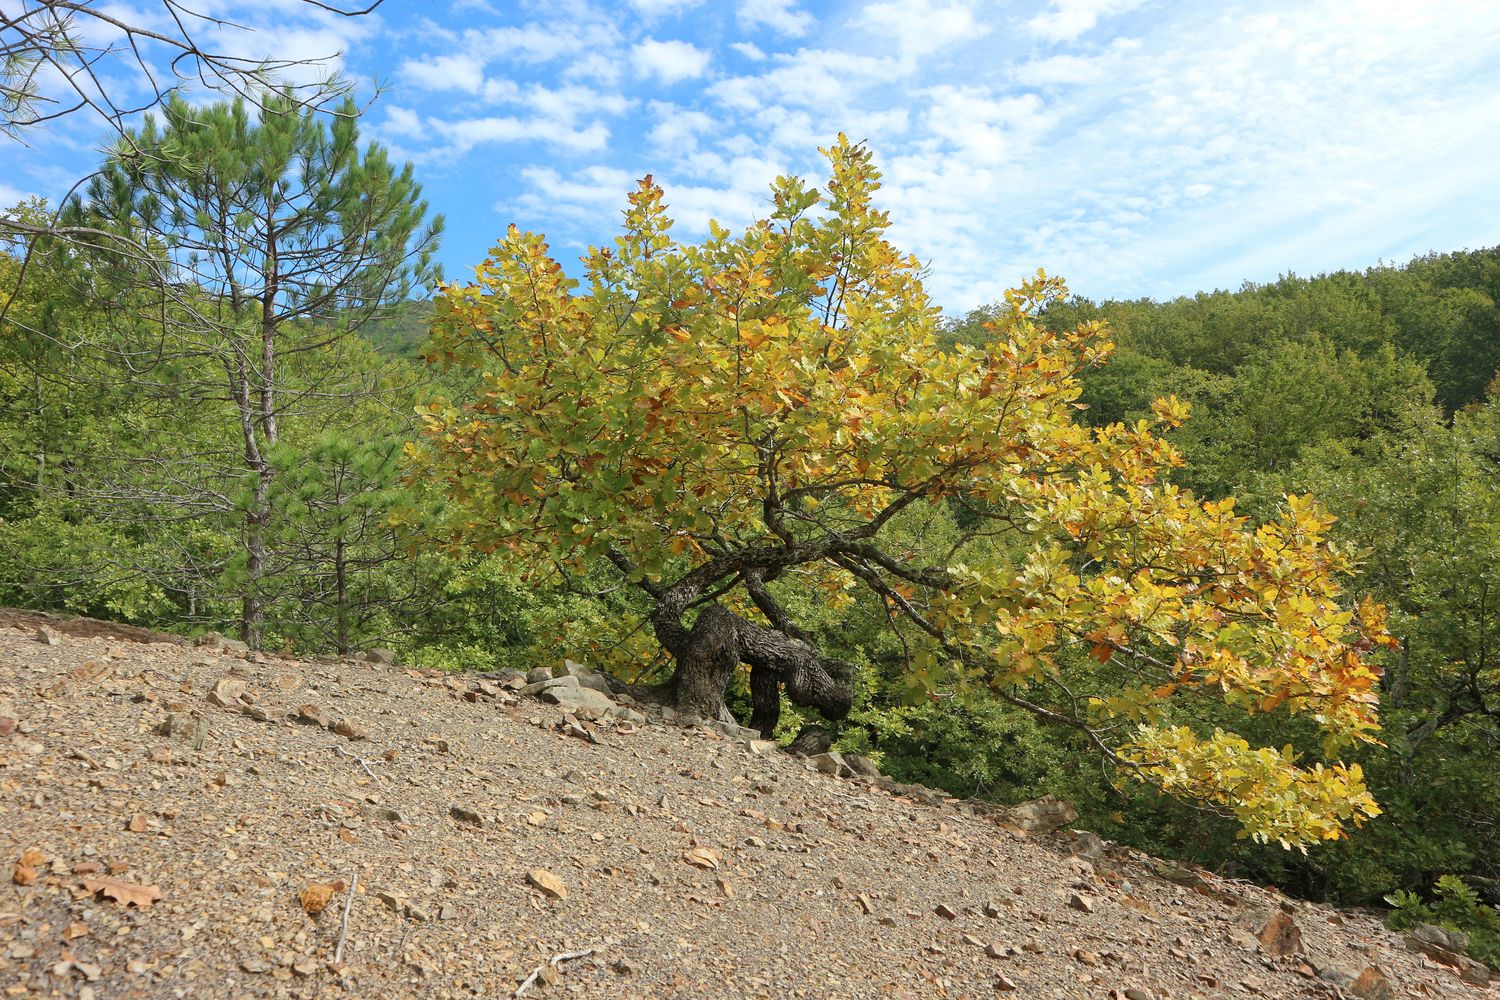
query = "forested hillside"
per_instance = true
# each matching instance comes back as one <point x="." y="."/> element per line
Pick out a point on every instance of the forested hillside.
<point x="257" y="448"/>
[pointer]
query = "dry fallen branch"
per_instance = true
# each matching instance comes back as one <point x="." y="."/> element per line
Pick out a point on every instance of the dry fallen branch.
<point x="552" y="962"/>
<point x="362" y="761"/>
<point x="338" y="951"/>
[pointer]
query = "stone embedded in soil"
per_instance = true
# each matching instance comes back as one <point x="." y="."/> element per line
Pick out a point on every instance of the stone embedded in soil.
<point x="1088" y="845"/>
<point x="1080" y="903"/>
<point x="466" y="815"/>
<point x="833" y="763"/>
<point x="383" y="813"/>
<point x="1424" y="940"/>
<point x="312" y="715"/>
<point x="1371" y="984"/>
<point x="227" y="692"/>
<point x="1280" y="936"/>
<point x="349" y="730"/>
<point x="548" y="883"/>
<point x="945" y="911"/>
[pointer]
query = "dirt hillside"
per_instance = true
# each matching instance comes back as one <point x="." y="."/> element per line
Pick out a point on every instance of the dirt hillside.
<point x="187" y="821"/>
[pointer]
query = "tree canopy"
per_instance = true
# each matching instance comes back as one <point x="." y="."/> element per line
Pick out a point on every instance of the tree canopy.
<point x="733" y="421"/>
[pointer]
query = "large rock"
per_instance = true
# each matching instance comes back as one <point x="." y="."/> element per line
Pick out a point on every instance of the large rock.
<point x="586" y="677"/>
<point x="1442" y="937"/>
<point x="862" y="765"/>
<point x="581" y="701"/>
<point x="536" y="688"/>
<point x="1047" y="814"/>
<point x="1435" y="942"/>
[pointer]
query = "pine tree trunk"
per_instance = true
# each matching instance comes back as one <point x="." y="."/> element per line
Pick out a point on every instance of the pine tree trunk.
<point x="341" y="575"/>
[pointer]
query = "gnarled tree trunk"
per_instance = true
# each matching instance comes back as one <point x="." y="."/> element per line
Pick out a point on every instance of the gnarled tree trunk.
<point x="720" y="640"/>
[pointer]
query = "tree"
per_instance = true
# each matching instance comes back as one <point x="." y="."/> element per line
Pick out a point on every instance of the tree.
<point x="1423" y="501"/>
<point x="58" y="57"/>
<point x="278" y="236"/>
<point x="726" y="421"/>
<point x="334" y="504"/>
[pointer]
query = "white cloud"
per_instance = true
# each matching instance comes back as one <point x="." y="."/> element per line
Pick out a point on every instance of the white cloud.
<point x="677" y="129"/>
<point x="1062" y="70"/>
<point x="921" y="27"/>
<point x="983" y="128"/>
<point x="540" y="43"/>
<point x="403" y="122"/>
<point x="749" y="50"/>
<point x="816" y="78"/>
<point x="12" y="196"/>
<point x="450" y="72"/>
<point x="779" y="15"/>
<point x="669" y="61"/>
<point x="1065" y="20"/>
<point x="659" y="8"/>
<point x="586" y="194"/>
<point x="570" y="102"/>
<point x="464" y="134"/>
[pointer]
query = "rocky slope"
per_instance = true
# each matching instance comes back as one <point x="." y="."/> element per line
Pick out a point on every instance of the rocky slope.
<point x="181" y="821"/>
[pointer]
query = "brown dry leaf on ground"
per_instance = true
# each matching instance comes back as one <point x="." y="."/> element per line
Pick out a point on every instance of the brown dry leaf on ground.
<point x="127" y="893"/>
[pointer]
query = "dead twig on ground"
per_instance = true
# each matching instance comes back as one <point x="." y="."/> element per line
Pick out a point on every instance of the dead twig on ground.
<point x="362" y="762"/>
<point x="552" y="962"/>
<point x="338" y="951"/>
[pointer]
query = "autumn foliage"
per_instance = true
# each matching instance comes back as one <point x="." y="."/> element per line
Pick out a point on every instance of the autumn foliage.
<point x="761" y="410"/>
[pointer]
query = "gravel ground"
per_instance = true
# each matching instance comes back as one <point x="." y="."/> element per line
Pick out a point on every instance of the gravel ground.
<point x="157" y="844"/>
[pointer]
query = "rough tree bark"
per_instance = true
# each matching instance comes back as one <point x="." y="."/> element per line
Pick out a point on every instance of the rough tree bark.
<point x="707" y="655"/>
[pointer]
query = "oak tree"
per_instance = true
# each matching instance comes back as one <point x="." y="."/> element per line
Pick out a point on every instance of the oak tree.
<point x="725" y="420"/>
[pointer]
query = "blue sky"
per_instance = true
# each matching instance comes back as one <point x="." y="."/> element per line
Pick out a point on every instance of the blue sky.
<point x="1136" y="147"/>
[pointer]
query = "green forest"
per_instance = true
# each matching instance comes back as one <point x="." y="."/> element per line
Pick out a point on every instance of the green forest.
<point x="236" y="397"/>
